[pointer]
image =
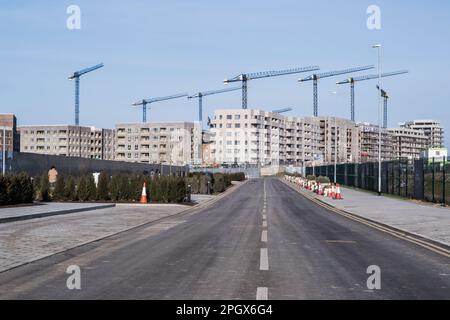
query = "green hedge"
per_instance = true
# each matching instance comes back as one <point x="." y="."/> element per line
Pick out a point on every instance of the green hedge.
<point x="119" y="187"/>
<point x="218" y="181"/>
<point x="16" y="189"/>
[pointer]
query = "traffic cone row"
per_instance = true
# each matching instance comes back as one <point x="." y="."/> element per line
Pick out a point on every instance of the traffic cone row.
<point x="331" y="190"/>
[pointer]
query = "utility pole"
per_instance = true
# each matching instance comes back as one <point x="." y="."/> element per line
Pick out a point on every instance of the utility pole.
<point x="380" y="111"/>
<point x="335" y="149"/>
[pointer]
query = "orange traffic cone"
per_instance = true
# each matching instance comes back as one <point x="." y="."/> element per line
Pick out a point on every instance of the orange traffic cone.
<point x="338" y="195"/>
<point x="332" y="192"/>
<point x="144" y="194"/>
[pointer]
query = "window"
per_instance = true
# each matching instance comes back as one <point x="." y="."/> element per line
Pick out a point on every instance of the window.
<point x="237" y="117"/>
<point x="228" y="125"/>
<point x="229" y="117"/>
<point x="237" y="125"/>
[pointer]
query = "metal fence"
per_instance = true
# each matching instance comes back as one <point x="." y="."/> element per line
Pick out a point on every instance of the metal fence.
<point x="37" y="164"/>
<point x="424" y="179"/>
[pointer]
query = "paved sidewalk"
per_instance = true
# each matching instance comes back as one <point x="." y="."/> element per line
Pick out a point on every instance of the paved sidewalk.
<point x="46" y="209"/>
<point x="428" y="221"/>
<point x="25" y="241"/>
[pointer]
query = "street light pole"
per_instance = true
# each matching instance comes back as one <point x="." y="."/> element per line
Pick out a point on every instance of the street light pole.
<point x="335" y="149"/>
<point x="378" y="46"/>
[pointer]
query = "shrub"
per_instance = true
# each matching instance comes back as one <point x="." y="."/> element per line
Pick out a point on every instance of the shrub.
<point x="124" y="192"/>
<point x="152" y="189"/>
<point x="203" y="184"/>
<point x="70" y="189"/>
<point x="218" y="182"/>
<point x="16" y="189"/>
<point x="91" y="188"/>
<point x="311" y="177"/>
<point x="82" y="190"/>
<point x="322" y="179"/>
<point x="103" y="187"/>
<point x="114" y="188"/>
<point x="4" y="199"/>
<point x="44" y="189"/>
<point x="176" y="190"/>
<point x="163" y="189"/>
<point x="59" y="193"/>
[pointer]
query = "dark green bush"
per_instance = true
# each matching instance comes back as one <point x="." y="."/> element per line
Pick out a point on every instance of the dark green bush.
<point x="122" y="187"/>
<point x="59" y="193"/>
<point x="219" y="183"/>
<point x="322" y="179"/>
<point x="103" y="187"/>
<point x="70" y="189"/>
<point x="16" y="189"/>
<point x="44" y="189"/>
<point x="82" y="189"/>
<point x="4" y="199"/>
<point x="91" y="188"/>
<point x="176" y="190"/>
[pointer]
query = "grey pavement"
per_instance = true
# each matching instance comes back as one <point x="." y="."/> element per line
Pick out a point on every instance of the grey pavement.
<point x="26" y="241"/>
<point x="46" y="209"/>
<point x="425" y="220"/>
<point x="265" y="240"/>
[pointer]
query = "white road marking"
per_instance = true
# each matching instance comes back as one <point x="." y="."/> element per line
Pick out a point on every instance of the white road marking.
<point x="264" y="224"/>
<point x="264" y="216"/>
<point x="264" y="236"/>
<point x="264" y="262"/>
<point x="262" y="293"/>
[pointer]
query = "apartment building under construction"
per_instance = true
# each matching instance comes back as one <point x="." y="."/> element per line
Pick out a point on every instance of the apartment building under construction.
<point x="68" y="140"/>
<point x="176" y="143"/>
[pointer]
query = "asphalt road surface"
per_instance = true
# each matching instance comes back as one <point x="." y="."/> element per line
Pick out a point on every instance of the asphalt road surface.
<point x="263" y="241"/>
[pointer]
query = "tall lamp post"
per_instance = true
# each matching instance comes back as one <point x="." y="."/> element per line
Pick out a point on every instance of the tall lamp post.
<point x="335" y="149"/>
<point x="378" y="47"/>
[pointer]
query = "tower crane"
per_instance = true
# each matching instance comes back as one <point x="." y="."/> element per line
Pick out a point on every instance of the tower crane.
<point x="315" y="78"/>
<point x="265" y="74"/>
<point x="76" y="76"/>
<point x="200" y="96"/>
<point x="352" y="82"/>
<point x="145" y="102"/>
<point x="385" y="97"/>
<point x="284" y="110"/>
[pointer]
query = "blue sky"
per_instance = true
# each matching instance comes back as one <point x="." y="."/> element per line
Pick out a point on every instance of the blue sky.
<point x="156" y="48"/>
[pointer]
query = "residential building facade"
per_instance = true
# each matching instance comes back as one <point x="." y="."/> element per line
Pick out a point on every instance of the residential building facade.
<point x="432" y="130"/>
<point x="176" y="143"/>
<point x="8" y="128"/>
<point x="409" y="143"/>
<point x="369" y="143"/>
<point x="68" y="140"/>
<point x="341" y="135"/>
<point x="248" y="136"/>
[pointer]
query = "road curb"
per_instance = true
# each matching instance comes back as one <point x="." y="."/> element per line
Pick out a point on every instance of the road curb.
<point x="420" y="240"/>
<point x="54" y="213"/>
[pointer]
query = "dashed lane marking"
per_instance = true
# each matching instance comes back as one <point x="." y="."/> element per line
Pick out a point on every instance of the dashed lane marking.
<point x="264" y="262"/>
<point x="262" y="293"/>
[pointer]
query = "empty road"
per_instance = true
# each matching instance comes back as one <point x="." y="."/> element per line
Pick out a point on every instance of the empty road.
<point x="263" y="241"/>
